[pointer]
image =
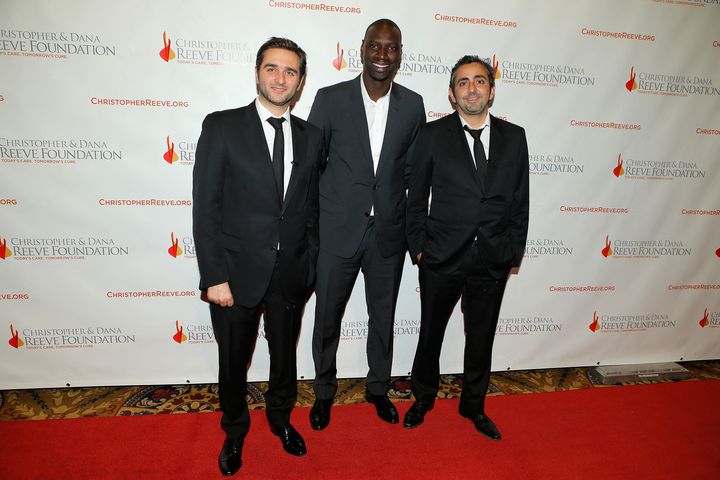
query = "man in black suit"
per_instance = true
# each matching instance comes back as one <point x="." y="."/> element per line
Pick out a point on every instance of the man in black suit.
<point x="477" y="168"/>
<point x="255" y="216"/>
<point x="368" y="125"/>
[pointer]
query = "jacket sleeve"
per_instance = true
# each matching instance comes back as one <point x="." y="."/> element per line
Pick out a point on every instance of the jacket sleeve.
<point x="208" y="178"/>
<point x="419" y="185"/>
<point x="520" y="203"/>
<point x="319" y="116"/>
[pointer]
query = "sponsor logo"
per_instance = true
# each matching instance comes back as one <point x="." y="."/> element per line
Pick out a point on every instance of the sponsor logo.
<point x="143" y="202"/>
<point x="15" y="340"/>
<point x="2" y="98"/>
<point x="541" y="74"/>
<point x="689" y="3"/>
<point x="174" y="250"/>
<point x="41" y="151"/>
<point x="412" y="62"/>
<point x="695" y="286"/>
<point x="205" y="52"/>
<point x="623" y="323"/>
<point x="431" y="114"/>
<point x="167" y="53"/>
<point x="607" y="210"/>
<point x="704" y="322"/>
<point x="339" y="61"/>
<point x="14" y="296"/>
<point x="5" y="251"/>
<point x="314" y="7"/>
<point x="170" y="156"/>
<point x="605" y="125"/>
<point x="28" y="43"/>
<point x="8" y="201"/>
<point x="183" y="153"/>
<point x="150" y="294"/>
<point x="607" y="249"/>
<point x="139" y="102"/>
<point x="546" y="247"/>
<point x="675" y="85"/>
<point x="74" y="337"/>
<point x="644" y="249"/>
<point x="482" y="21"/>
<point x="187" y="249"/>
<point x="631" y="84"/>
<point x="716" y="44"/>
<point x="619" y="171"/>
<point x="527" y="325"/>
<point x="639" y="169"/>
<point x="710" y="319"/>
<point x="687" y="211"/>
<point x="179" y="336"/>
<point x="65" y="248"/>
<point x="592" y="32"/>
<point x="358" y="330"/>
<point x="555" y="164"/>
<point x="595" y="325"/>
<point x="193" y="333"/>
<point x="707" y="131"/>
<point x="581" y="288"/>
<point x="717" y="253"/>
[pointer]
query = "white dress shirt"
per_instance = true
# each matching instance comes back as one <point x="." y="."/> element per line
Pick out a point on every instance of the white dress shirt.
<point x="269" y="130"/>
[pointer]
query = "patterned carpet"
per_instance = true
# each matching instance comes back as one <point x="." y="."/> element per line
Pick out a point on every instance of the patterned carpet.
<point x="53" y="403"/>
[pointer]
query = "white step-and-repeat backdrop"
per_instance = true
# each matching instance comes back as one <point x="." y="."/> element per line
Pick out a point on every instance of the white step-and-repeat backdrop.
<point x="101" y="105"/>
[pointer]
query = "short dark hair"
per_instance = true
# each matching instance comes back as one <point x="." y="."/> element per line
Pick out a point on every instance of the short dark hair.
<point x="472" y="59"/>
<point x="285" y="43"/>
<point x="378" y="22"/>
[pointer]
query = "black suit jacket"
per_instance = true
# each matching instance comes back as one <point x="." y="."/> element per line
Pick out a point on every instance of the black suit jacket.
<point x="237" y="218"/>
<point x="348" y="186"/>
<point x="460" y="209"/>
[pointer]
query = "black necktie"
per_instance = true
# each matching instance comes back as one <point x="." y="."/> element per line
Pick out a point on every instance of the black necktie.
<point x="278" y="155"/>
<point x="478" y="152"/>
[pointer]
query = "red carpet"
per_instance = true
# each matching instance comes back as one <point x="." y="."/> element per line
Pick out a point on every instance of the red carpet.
<point x="663" y="431"/>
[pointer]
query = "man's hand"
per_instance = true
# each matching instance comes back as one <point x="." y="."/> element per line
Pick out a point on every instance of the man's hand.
<point x="418" y="257"/>
<point x="221" y="295"/>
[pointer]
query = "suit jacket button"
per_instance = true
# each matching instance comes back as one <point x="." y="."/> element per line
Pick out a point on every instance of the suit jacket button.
<point x="374" y="187"/>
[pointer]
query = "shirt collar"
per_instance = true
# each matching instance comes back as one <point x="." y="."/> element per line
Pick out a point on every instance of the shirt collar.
<point x="264" y="113"/>
<point x="366" y="95"/>
<point x="486" y="124"/>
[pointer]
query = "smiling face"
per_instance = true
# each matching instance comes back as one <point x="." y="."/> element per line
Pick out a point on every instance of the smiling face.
<point x="278" y="79"/>
<point x="472" y="92"/>
<point x="381" y="52"/>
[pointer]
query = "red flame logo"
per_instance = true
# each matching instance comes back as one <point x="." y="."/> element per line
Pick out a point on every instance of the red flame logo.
<point x="631" y="84"/>
<point x="167" y="53"/>
<point x="495" y="65"/>
<point x="607" y="251"/>
<point x="5" y="252"/>
<point x="619" y="171"/>
<point x="717" y="253"/>
<point x="170" y="156"/>
<point x="15" y="341"/>
<point x="704" y="322"/>
<point x="174" y="250"/>
<point x="339" y="62"/>
<point x="595" y="325"/>
<point x="179" y="336"/>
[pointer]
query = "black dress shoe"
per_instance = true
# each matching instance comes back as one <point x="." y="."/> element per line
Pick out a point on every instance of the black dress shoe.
<point x="320" y="413"/>
<point x="416" y="415"/>
<point x="230" y="459"/>
<point x="384" y="407"/>
<point x="483" y="424"/>
<point x="291" y="440"/>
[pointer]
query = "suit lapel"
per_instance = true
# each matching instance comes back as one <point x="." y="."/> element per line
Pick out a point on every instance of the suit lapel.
<point x="357" y="113"/>
<point x="497" y="150"/>
<point x="299" y="152"/>
<point x="458" y="136"/>
<point x="248" y="142"/>
<point x="392" y="127"/>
